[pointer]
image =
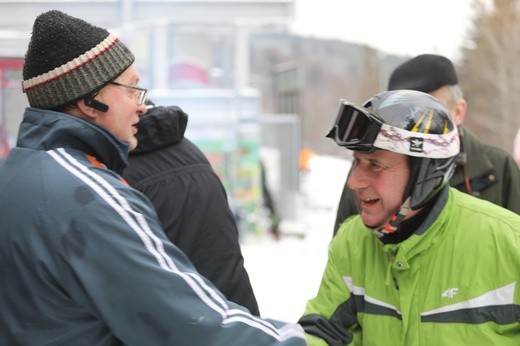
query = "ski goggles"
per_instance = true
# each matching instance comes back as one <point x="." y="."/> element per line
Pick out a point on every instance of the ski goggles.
<point x="357" y="128"/>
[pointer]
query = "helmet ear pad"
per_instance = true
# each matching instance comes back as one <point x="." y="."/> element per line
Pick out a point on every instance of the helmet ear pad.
<point x="427" y="178"/>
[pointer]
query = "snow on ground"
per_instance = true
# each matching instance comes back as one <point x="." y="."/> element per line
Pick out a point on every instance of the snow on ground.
<point x="285" y="274"/>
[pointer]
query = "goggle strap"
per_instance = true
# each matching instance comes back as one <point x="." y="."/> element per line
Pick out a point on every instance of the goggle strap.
<point x="417" y="144"/>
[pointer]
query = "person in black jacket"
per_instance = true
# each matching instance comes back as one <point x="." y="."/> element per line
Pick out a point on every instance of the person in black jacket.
<point x="190" y="201"/>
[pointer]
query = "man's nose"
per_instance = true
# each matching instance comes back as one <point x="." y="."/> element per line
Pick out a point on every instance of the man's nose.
<point x="358" y="178"/>
<point x="142" y="109"/>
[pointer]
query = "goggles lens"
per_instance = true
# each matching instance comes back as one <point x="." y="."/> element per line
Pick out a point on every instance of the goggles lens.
<point x="355" y="128"/>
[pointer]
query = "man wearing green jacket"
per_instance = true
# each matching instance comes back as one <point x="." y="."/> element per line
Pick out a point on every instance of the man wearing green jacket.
<point x="422" y="263"/>
<point x="482" y="170"/>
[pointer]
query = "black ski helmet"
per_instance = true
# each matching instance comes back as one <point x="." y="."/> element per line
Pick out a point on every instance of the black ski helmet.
<point x="408" y="122"/>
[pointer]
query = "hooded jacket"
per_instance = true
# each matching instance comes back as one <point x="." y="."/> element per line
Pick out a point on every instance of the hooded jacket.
<point x="455" y="281"/>
<point x="84" y="260"/>
<point x="190" y="201"/>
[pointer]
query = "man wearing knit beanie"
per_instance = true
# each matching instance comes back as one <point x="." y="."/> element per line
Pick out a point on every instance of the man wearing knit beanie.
<point x="84" y="257"/>
<point x="482" y="170"/>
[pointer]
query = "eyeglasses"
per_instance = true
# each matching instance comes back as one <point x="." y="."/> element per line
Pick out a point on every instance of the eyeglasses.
<point x="142" y="92"/>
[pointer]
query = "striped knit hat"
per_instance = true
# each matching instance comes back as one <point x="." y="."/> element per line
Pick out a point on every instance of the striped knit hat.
<point x="68" y="59"/>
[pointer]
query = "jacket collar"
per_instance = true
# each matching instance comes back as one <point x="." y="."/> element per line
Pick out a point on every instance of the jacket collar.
<point x="478" y="165"/>
<point x="430" y="231"/>
<point x="47" y="130"/>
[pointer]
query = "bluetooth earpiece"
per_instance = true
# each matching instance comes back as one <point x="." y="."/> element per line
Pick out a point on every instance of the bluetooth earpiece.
<point x="90" y="102"/>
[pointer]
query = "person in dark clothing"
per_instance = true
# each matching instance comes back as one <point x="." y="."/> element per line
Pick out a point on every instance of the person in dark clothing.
<point x="274" y="219"/>
<point x="190" y="201"/>
<point x="84" y="259"/>
<point x="482" y="170"/>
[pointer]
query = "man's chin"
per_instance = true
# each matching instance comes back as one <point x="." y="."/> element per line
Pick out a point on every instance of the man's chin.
<point x="371" y="226"/>
<point x="371" y="223"/>
<point x="132" y="143"/>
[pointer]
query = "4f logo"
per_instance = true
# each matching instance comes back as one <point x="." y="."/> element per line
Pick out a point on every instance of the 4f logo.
<point x="450" y="293"/>
<point x="416" y="144"/>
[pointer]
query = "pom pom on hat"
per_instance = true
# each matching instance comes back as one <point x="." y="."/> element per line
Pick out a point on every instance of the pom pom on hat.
<point x="426" y="73"/>
<point x="68" y="58"/>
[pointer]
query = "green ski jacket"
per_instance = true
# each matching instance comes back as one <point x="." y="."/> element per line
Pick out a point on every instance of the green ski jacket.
<point x="453" y="282"/>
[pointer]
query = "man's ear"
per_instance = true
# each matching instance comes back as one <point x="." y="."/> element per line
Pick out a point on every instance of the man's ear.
<point x="459" y="112"/>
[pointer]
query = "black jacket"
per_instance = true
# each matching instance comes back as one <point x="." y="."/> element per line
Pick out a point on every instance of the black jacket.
<point x="190" y="200"/>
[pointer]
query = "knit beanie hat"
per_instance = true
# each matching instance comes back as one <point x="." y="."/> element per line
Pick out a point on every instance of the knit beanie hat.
<point x="68" y="58"/>
<point x="426" y="73"/>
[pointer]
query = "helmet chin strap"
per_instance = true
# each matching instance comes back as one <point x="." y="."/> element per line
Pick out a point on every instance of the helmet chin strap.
<point x="395" y="221"/>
